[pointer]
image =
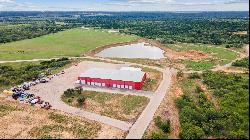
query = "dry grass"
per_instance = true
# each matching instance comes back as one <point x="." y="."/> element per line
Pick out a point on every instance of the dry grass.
<point x="20" y="121"/>
<point x="153" y="80"/>
<point x="118" y="106"/>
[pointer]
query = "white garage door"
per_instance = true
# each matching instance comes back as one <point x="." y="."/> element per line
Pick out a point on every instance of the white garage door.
<point x="130" y="87"/>
<point x="83" y="82"/>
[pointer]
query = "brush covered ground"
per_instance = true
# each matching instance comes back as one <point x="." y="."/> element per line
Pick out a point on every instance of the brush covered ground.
<point x="200" y="106"/>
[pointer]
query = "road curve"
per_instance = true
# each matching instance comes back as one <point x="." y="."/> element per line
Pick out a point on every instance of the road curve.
<point x="140" y="126"/>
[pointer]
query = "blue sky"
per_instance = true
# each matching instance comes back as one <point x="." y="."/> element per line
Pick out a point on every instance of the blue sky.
<point x="124" y="5"/>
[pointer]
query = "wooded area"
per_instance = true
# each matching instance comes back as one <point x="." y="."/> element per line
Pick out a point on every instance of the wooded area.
<point x="164" y="27"/>
<point x="223" y="116"/>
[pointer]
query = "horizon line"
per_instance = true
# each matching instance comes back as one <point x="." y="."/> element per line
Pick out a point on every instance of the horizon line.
<point x="117" y="11"/>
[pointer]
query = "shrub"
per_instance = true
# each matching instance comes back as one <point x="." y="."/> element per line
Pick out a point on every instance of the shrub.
<point x="194" y="76"/>
<point x="149" y="84"/>
<point x="69" y="92"/>
<point x="163" y="125"/>
<point x="242" y="63"/>
<point x="158" y="135"/>
<point x="81" y="100"/>
<point x="180" y="74"/>
<point x="198" y="89"/>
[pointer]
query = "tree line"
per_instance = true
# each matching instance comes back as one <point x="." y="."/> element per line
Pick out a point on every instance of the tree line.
<point x="159" y="26"/>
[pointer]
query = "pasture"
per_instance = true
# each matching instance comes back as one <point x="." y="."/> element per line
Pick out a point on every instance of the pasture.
<point x="74" y="42"/>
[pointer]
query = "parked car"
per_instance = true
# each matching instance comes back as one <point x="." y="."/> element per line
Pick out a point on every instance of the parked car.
<point x="25" y="87"/>
<point x="16" y="95"/>
<point x="37" y="81"/>
<point x="32" y="83"/>
<point x="42" y="75"/>
<point x="43" y="80"/>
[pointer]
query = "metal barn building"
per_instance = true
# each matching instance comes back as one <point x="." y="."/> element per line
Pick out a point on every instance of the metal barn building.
<point x="125" y="78"/>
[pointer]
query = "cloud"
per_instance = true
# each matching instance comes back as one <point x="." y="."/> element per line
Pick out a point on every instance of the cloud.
<point x="13" y="5"/>
<point x="118" y="4"/>
<point x="6" y="1"/>
<point x="130" y="2"/>
<point x="236" y="1"/>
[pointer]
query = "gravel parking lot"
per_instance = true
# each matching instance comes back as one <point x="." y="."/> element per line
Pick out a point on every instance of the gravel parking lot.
<point x="53" y="90"/>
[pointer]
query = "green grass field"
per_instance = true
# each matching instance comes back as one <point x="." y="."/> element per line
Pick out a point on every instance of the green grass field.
<point x="72" y="42"/>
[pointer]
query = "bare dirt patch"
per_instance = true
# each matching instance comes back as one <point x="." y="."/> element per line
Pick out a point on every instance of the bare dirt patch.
<point x="189" y="55"/>
<point x="33" y="122"/>
<point x="235" y="70"/>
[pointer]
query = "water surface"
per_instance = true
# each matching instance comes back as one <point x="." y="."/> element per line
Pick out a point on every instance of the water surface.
<point x="139" y="50"/>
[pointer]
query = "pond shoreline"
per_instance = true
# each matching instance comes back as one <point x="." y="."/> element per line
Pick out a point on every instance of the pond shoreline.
<point x="141" y="49"/>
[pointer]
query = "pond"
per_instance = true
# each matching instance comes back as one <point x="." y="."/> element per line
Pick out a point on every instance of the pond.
<point x="139" y="50"/>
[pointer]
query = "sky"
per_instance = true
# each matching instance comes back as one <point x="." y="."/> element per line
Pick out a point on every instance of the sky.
<point x="124" y="5"/>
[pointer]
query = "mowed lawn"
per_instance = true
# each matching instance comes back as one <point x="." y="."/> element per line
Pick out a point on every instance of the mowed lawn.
<point x="72" y="42"/>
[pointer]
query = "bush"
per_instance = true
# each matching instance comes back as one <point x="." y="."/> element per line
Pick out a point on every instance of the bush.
<point x="180" y="74"/>
<point x="242" y="63"/>
<point x="148" y="84"/>
<point x="69" y="92"/>
<point x="158" y="135"/>
<point x="81" y="100"/>
<point x="163" y="125"/>
<point x="234" y="45"/>
<point x="194" y="76"/>
<point x="198" y="89"/>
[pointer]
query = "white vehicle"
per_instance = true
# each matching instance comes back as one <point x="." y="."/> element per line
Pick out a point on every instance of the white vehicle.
<point x="77" y="84"/>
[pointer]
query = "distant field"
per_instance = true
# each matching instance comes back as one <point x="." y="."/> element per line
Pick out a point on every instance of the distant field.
<point x="72" y="42"/>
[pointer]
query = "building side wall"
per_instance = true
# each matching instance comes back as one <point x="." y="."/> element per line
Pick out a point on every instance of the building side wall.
<point x="113" y="83"/>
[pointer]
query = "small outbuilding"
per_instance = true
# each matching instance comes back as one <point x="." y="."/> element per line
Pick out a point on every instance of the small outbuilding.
<point x="124" y="78"/>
